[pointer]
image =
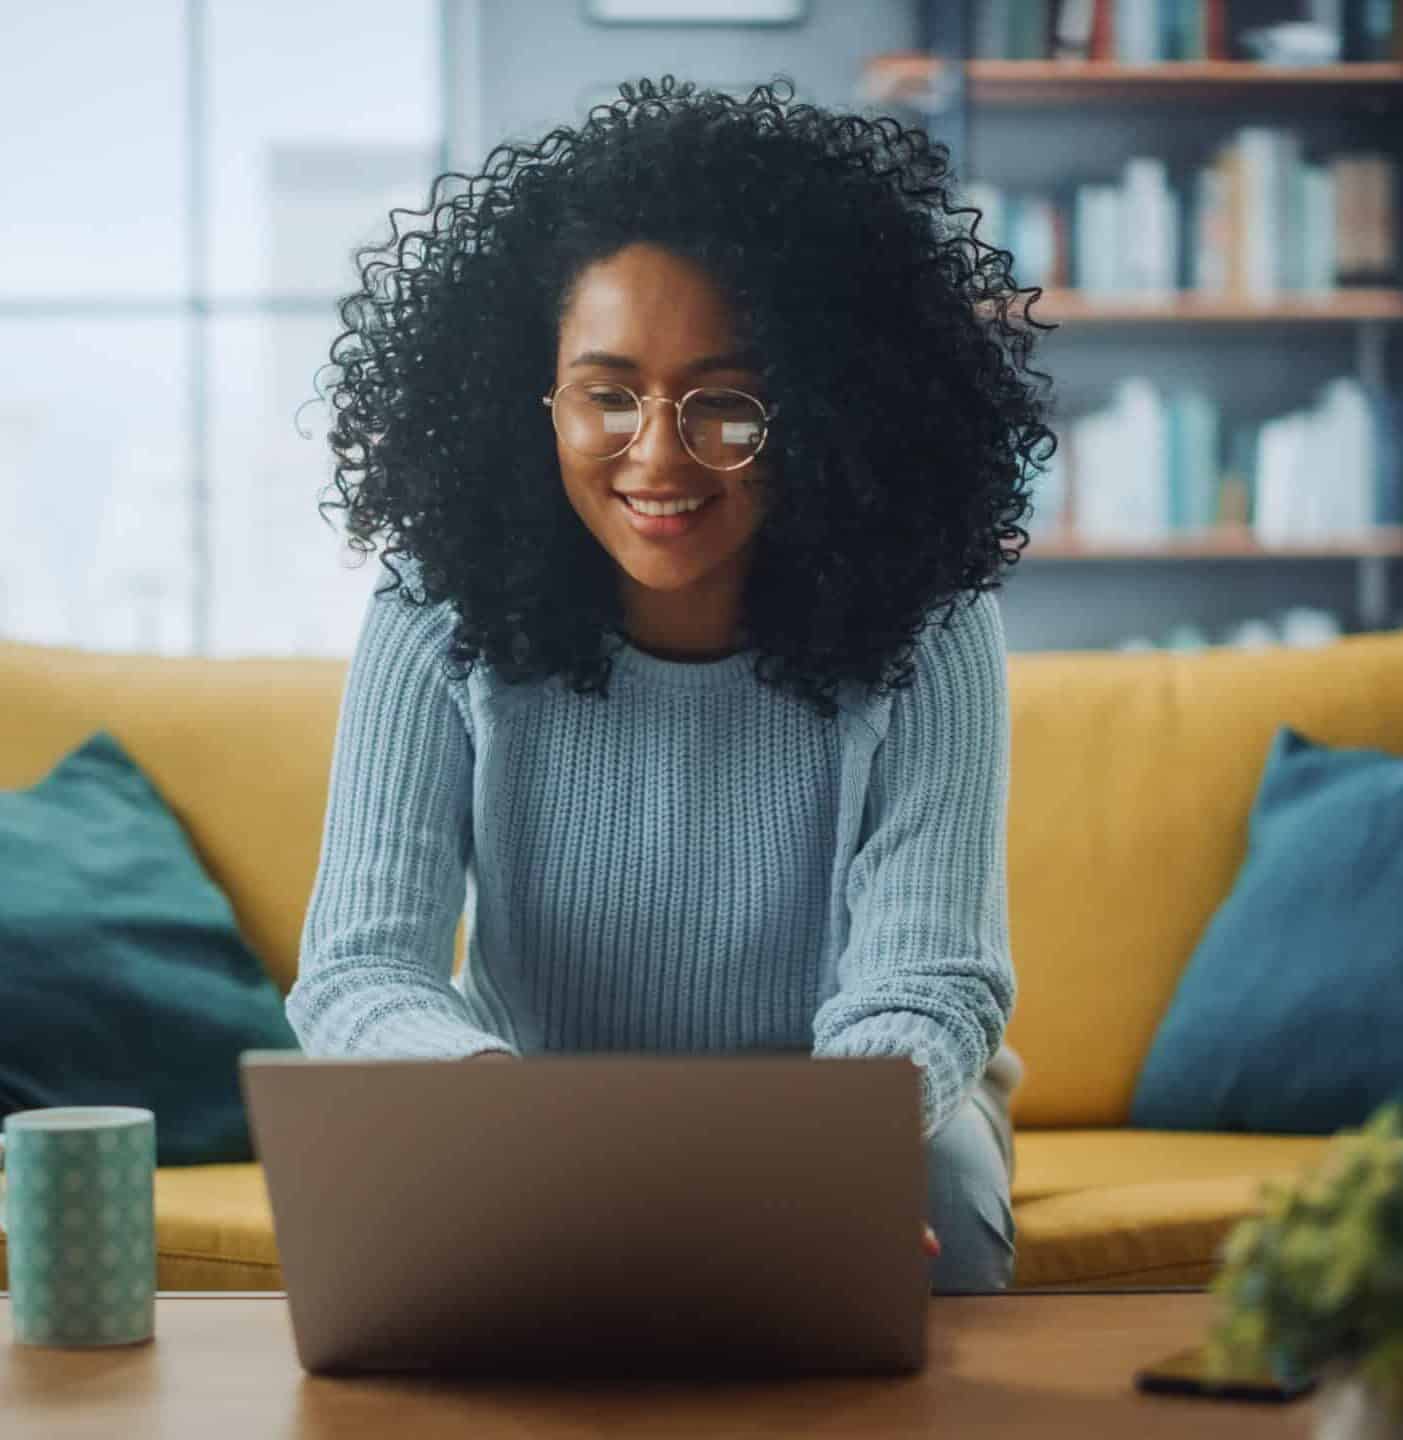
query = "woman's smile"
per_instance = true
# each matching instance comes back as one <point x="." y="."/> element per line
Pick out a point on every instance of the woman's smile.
<point x="667" y="527"/>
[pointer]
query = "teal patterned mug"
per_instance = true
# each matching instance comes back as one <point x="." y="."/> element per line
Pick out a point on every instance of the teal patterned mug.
<point x="77" y="1203"/>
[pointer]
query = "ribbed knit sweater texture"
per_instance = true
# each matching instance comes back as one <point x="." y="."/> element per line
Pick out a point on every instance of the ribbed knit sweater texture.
<point x="696" y="863"/>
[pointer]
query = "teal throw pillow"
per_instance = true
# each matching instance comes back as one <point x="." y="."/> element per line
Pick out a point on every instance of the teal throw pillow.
<point x="1289" y="1017"/>
<point x="123" y="977"/>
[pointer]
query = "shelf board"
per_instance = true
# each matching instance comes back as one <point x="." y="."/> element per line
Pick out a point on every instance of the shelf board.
<point x="1189" y="307"/>
<point x="926" y="82"/>
<point x="1227" y="542"/>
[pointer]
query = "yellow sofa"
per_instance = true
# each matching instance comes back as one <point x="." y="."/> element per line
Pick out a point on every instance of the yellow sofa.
<point x="1132" y="779"/>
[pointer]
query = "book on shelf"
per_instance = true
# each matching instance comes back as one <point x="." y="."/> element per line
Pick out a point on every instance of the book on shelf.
<point x="1268" y="221"/>
<point x="1159" y="463"/>
<point x="1261" y="219"/>
<point x="1386" y="417"/>
<point x="1148" y="32"/>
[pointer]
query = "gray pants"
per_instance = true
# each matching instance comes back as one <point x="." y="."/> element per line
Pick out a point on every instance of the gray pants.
<point x="969" y="1169"/>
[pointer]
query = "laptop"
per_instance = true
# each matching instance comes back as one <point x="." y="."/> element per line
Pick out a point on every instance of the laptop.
<point x="597" y="1213"/>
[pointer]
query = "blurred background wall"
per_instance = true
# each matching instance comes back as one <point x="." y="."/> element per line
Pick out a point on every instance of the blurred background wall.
<point x="186" y="181"/>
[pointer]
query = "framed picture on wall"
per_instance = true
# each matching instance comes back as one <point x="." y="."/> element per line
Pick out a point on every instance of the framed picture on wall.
<point x="695" y="12"/>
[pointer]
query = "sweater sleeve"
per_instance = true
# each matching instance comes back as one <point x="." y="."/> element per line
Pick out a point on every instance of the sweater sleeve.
<point x="376" y="960"/>
<point x="926" y="972"/>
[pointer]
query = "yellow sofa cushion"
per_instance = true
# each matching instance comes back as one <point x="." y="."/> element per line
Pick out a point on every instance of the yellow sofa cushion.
<point x="1164" y="1232"/>
<point x="1133" y="777"/>
<point x="1114" y="1208"/>
<point x="214" y="1229"/>
<point x="1060" y="1162"/>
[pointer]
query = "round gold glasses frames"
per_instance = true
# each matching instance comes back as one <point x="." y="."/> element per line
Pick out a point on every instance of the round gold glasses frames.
<point x="720" y="428"/>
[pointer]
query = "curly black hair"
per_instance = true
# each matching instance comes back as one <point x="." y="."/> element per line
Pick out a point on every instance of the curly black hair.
<point x="894" y="341"/>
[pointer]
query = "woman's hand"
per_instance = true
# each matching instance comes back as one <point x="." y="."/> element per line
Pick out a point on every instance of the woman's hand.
<point x="929" y="1244"/>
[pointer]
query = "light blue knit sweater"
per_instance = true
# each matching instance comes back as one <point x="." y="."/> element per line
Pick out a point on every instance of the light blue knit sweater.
<point x="696" y="863"/>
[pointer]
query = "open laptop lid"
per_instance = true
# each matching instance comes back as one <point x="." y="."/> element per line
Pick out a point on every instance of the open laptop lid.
<point x="611" y="1212"/>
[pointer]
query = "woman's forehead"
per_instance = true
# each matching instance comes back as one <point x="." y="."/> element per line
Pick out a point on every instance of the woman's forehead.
<point x="644" y="299"/>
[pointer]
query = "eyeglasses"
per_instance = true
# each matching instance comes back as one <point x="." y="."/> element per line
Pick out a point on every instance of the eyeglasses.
<point x="720" y="428"/>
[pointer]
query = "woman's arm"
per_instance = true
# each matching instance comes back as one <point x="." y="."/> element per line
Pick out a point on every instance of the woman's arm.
<point x="377" y="943"/>
<point x="927" y="972"/>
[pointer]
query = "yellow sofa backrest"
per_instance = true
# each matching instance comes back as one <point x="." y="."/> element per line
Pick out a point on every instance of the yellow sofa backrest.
<point x="239" y="749"/>
<point x="1132" y="779"/>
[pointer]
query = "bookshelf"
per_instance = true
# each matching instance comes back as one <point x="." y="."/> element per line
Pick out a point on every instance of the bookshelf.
<point x="1225" y="542"/>
<point x="1073" y="105"/>
<point x="924" y="82"/>
<point x="1347" y="307"/>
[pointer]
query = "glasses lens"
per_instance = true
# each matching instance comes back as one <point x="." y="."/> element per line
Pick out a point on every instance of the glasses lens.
<point x="723" y="428"/>
<point x="596" y="419"/>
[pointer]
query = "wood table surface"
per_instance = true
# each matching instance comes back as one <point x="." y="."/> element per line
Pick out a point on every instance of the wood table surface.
<point x="1020" y="1363"/>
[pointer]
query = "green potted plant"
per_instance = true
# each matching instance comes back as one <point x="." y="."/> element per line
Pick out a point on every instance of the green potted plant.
<point x="1313" y="1285"/>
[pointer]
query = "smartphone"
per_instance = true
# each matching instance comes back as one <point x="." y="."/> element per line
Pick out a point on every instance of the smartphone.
<point x="1186" y="1373"/>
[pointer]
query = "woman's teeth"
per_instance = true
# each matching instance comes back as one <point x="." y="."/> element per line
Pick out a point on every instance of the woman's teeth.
<point x="663" y="507"/>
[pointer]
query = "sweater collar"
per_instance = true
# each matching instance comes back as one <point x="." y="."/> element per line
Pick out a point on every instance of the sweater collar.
<point x="638" y="666"/>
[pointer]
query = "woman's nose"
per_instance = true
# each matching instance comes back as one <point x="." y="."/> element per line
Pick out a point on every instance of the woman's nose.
<point x="658" y="442"/>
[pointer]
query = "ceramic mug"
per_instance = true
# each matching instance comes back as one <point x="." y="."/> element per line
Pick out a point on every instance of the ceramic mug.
<point x="77" y="1204"/>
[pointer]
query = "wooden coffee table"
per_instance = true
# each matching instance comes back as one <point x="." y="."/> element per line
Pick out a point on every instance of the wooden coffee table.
<point x="1035" y="1363"/>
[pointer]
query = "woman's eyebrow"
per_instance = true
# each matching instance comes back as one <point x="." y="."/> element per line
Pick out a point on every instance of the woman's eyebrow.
<point x="731" y="360"/>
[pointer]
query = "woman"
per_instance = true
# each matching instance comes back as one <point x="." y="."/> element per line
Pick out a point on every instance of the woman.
<point x="727" y="770"/>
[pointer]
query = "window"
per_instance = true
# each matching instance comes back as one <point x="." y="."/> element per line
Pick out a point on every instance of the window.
<point x="176" y="234"/>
